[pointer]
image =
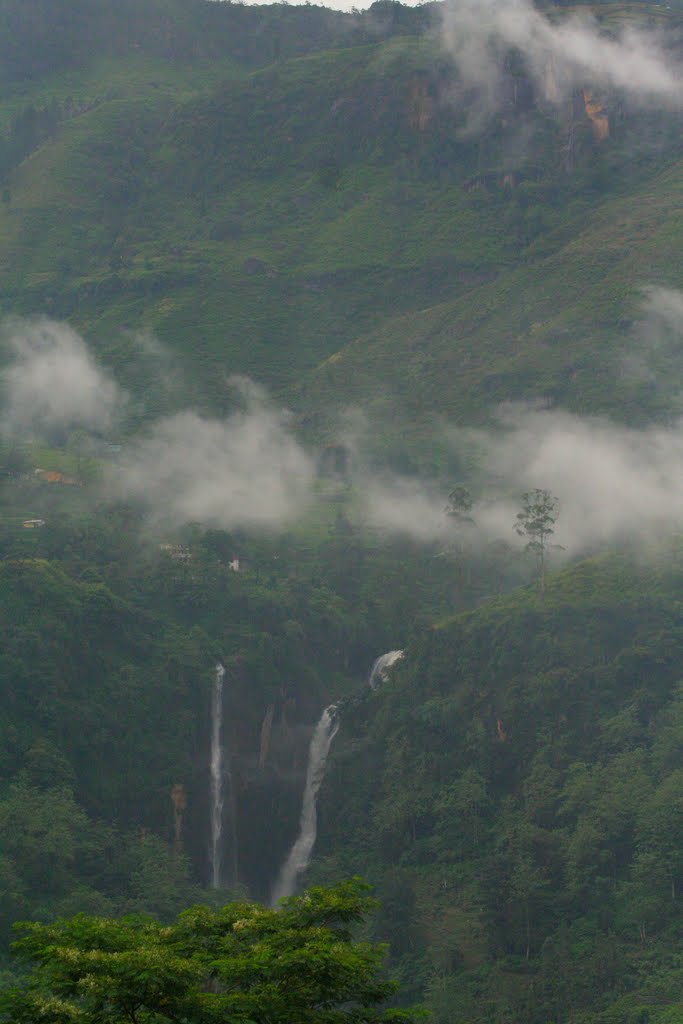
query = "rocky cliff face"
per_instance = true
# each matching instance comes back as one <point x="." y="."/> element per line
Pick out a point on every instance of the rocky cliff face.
<point x="268" y="747"/>
<point x="420" y="104"/>
<point x="596" y="111"/>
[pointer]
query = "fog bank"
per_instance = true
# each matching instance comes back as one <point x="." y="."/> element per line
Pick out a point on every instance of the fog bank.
<point x="561" y="54"/>
<point x="52" y="382"/>
<point x="249" y="469"/>
<point x="246" y="470"/>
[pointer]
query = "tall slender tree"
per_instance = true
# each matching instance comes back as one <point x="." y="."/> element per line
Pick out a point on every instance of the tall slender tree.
<point x="459" y="507"/>
<point x="536" y="522"/>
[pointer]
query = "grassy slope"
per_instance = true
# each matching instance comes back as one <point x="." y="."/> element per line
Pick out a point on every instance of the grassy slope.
<point x="556" y="325"/>
<point x="297" y="225"/>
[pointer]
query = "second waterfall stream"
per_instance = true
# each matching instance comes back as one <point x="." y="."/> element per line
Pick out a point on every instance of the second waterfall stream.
<point x="299" y="856"/>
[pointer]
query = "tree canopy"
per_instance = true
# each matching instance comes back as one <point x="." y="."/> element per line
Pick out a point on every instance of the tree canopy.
<point x="241" y="962"/>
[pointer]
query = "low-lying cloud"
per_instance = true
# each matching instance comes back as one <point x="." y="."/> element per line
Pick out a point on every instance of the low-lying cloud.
<point x="246" y="470"/>
<point x="406" y="505"/>
<point x="656" y="355"/>
<point x="613" y="483"/>
<point x="560" y="54"/>
<point x="52" y="382"/>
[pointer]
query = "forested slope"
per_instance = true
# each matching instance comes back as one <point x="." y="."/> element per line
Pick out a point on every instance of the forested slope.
<point x="86" y="742"/>
<point x="317" y="201"/>
<point x="514" y="791"/>
<point x="108" y="648"/>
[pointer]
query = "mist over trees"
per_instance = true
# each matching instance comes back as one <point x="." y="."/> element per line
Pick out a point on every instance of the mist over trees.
<point x="327" y="338"/>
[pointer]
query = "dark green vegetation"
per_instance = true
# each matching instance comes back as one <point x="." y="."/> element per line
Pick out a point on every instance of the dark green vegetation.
<point x="515" y="793"/>
<point x="108" y="647"/>
<point x="238" y="963"/>
<point x="295" y="194"/>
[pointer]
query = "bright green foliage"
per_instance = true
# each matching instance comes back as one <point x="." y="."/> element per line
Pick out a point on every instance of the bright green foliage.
<point x="239" y="963"/>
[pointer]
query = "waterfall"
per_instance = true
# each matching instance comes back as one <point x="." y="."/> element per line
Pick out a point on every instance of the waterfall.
<point x="300" y="854"/>
<point x="216" y="779"/>
<point x="378" y="673"/>
<point x="220" y="787"/>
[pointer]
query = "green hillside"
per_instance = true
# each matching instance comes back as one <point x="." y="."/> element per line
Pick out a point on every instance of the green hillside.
<point x="109" y="640"/>
<point x="514" y="792"/>
<point x="329" y="223"/>
<point x="82" y="676"/>
<point x="556" y="326"/>
<point x="327" y="204"/>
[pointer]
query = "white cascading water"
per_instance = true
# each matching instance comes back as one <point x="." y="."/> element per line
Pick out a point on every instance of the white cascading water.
<point x="216" y="779"/>
<point x="380" y="667"/>
<point x="300" y="854"/>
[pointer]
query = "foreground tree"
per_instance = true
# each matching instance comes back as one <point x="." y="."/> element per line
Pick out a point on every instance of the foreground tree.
<point x="536" y="522"/>
<point x="242" y="963"/>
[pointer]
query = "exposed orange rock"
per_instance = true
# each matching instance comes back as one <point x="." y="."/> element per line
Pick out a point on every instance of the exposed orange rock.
<point x="179" y="799"/>
<point x="420" y="106"/>
<point x="595" y="110"/>
<point x="266" y="730"/>
<point x="51" y="476"/>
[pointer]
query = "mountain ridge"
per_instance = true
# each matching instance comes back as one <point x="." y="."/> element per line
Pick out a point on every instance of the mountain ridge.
<point x="379" y="200"/>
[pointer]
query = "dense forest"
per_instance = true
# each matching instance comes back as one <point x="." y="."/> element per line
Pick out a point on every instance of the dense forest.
<point x="515" y="795"/>
<point x="326" y="335"/>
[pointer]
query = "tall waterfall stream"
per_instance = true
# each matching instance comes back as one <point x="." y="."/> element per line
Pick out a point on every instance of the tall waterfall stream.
<point x="221" y="791"/>
<point x="216" y="778"/>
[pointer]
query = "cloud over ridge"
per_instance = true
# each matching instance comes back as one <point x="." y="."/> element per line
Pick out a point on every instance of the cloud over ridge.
<point x="249" y="469"/>
<point x="561" y="54"/>
<point x="52" y="382"/>
<point x="246" y="470"/>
